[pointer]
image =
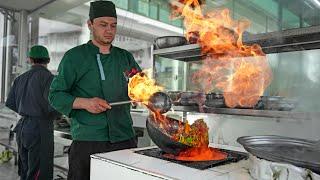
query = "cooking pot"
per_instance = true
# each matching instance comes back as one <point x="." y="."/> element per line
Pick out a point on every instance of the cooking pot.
<point x="169" y="41"/>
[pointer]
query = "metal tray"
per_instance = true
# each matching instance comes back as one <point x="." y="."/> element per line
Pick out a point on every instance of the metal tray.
<point x="299" y="152"/>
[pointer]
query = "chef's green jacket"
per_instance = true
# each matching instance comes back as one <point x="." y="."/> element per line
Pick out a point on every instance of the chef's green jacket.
<point x="79" y="76"/>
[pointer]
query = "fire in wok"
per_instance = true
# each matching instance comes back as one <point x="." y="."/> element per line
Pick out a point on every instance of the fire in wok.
<point x="182" y="141"/>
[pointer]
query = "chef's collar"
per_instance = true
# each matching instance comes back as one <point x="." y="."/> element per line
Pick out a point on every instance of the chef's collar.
<point x="95" y="49"/>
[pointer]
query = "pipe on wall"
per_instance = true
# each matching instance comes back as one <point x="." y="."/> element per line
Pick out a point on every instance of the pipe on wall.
<point x="4" y="58"/>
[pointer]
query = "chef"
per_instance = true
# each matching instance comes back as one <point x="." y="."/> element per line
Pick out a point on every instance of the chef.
<point x="90" y="76"/>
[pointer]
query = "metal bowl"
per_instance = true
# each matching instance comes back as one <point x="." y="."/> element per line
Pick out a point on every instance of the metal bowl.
<point x="299" y="152"/>
<point x="163" y="140"/>
<point x="169" y="41"/>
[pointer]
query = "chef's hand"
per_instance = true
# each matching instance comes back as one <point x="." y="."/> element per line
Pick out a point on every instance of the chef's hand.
<point x="94" y="105"/>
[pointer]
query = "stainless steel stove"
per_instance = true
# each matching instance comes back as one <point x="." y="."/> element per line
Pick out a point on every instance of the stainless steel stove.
<point x="130" y="164"/>
<point x="233" y="156"/>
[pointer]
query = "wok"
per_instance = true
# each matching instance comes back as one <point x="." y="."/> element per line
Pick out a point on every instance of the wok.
<point x="163" y="140"/>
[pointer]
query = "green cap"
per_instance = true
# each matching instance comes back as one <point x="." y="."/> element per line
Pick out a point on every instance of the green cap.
<point x="38" y="51"/>
<point x="102" y="9"/>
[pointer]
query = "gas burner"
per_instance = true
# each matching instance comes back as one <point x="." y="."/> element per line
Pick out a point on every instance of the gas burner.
<point x="233" y="156"/>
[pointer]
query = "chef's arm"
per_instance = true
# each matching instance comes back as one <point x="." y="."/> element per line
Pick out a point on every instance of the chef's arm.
<point x="93" y="105"/>
<point x="60" y="97"/>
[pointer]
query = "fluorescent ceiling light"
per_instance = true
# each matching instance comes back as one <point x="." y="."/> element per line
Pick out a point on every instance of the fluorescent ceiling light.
<point x="308" y="4"/>
<point x="316" y="2"/>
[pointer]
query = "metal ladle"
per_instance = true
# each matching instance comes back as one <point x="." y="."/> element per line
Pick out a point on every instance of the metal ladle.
<point x="159" y="101"/>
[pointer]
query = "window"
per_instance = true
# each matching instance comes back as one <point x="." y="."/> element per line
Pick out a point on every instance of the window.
<point x="143" y="7"/>
<point x="1" y="45"/>
<point x="153" y="11"/>
<point x="123" y="4"/>
<point x="164" y="15"/>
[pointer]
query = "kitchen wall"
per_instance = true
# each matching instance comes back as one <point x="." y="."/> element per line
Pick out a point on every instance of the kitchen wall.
<point x="295" y="75"/>
<point x="225" y="129"/>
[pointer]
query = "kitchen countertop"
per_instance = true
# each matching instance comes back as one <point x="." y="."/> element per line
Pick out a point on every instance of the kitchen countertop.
<point x="133" y="163"/>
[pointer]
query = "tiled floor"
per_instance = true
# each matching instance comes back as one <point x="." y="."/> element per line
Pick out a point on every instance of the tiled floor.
<point x="8" y="171"/>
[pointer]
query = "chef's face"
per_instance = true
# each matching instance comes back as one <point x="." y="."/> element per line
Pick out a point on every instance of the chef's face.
<point x="103" y="29"/>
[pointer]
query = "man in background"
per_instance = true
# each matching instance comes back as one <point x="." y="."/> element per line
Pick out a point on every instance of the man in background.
<point x="29" y="98"/>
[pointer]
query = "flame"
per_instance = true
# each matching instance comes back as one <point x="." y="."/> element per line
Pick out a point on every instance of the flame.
<point x="242" y="72"/>
<point x="195" y="135"/>
<point x="199" y="154"/>
<point x="162" y="120"/>
<point x="141" y="88"/>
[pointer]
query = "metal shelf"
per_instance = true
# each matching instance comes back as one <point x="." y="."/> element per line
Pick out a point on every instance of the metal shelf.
<point x="250" y="112"/>
<point x="190" y="52"/>
<point x="274" y="42"/>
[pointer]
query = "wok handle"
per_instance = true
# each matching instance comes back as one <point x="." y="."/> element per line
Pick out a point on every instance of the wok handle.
<point x="120" y="103"/>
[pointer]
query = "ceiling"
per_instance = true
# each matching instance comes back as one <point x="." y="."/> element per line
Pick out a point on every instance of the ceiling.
<point x="307" y="9"/>
<point x="28" y="5"/>
<point x="67" y="16"/>
<point x="129" y="24"/>
<point x="50" y="26"/>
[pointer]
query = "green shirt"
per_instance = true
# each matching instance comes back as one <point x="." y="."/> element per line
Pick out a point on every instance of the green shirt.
<point x="79" y="76"/>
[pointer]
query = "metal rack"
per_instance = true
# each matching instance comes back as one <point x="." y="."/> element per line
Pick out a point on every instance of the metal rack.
<point x="250" y="112"/>
<point x="273" y="42"/>
<point x="283" y="41"/>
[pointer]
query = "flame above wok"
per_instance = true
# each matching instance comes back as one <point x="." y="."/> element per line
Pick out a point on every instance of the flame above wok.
<point x="240" y="71"/>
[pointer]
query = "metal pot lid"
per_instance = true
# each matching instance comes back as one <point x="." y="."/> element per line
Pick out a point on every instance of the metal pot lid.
<point x="299" y="152"/>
